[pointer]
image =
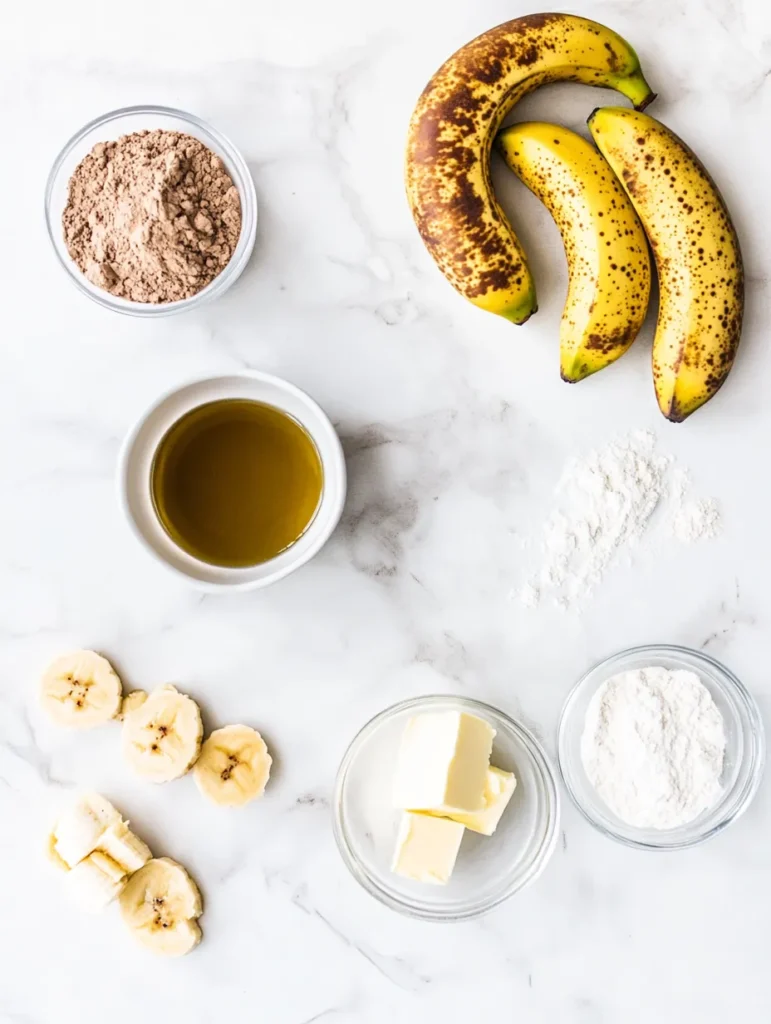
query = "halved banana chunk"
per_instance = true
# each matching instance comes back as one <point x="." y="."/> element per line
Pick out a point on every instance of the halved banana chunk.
<point x="124" y="847"/>
<point x="79" y="829"/>
<point x="161" y="904"/>
<point x="234" y="766"/>
<point x="162" y="737"/>
<point x="81" y="690"/>
<point x="53" y="855"/>
<point x="131" y="702"/>
<point x="95" y="882"/>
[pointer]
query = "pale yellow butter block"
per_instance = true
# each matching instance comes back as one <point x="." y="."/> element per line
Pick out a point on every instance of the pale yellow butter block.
<point x="442" y="764"/>
<point x="498" y="790"/>
<point x="426" y="848"/>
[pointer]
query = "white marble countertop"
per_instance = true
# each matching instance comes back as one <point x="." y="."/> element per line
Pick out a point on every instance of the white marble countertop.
<point x="456" y="427"/>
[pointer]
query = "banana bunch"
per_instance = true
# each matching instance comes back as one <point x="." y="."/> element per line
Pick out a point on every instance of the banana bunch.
<point x="162" y="731"/>
<point x="104" y="860"/>
<point x="644" y="181"/>
<point x="451" y="133"/>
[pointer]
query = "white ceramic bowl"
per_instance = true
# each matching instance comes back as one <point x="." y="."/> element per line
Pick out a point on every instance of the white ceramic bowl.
<point x="112" y="126"/>
<point x="135" y="463"/>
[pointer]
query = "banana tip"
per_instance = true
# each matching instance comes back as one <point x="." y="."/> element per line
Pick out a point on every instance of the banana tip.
<point x="646" y="102"/>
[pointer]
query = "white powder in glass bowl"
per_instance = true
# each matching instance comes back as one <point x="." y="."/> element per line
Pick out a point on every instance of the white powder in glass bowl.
<point x="653" y="747"/>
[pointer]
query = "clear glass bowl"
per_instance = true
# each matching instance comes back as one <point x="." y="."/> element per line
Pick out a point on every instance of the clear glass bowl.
<point x="133" y="119"/>
<point x="744" y="754"/>
<point x="488" y="869"/>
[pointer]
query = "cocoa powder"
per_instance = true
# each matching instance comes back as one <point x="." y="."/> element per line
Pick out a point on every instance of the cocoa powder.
<point x="153" y="217"/>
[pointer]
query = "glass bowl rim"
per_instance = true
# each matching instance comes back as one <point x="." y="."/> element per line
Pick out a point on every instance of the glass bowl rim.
<point x="744" y="795"/>
<point x="249" y="215"/>
<point x="553" y="809"/>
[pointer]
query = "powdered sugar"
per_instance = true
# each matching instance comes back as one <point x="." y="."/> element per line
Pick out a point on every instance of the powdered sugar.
<point x="653" y="747"/>
<point x="605" y="502"/>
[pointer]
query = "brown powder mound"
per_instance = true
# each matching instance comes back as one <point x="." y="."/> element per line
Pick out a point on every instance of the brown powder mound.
<point x="153" y="217"/>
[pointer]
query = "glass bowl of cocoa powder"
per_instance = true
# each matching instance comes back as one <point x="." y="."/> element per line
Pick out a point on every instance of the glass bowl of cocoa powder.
<point x="151" y="211"/>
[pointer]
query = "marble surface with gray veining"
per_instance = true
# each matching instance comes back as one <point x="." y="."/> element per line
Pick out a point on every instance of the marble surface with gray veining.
<point x="456" y="427"/>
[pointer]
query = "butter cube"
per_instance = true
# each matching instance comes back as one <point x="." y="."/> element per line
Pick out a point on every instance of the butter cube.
<point x="426" y="848"/>
<point x="442" y="764"/>
<point x="498" y="790"/>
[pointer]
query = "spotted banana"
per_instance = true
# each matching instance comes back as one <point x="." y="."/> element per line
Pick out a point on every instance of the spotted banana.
<point x="696" y="250"/>
<point x="451" y="133"/>
<point x="608" y="265"/>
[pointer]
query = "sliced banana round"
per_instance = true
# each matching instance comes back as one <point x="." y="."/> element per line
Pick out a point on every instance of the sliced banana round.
<point x="161" y="904"/>
<point x="234" y="766"/>
<point x="131" y="702"/>
<point x="81" y="690"/>
<point x="162" y="737"/>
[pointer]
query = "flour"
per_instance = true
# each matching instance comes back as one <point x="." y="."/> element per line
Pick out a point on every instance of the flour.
<point x="694" y="518"/>
<point x="653" y="747"/>
<point x="605" y="502"/>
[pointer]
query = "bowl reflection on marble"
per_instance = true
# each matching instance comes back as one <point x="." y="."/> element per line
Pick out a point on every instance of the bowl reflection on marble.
<point x="744" y="753"/>
<point x="112" y="126"/>
<point x="489" y="869"/>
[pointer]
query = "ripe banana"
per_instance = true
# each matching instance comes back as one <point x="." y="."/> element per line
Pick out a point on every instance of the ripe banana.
<point x="234" y="766"/>
<point x="451" y="132"/>
<point x="161" y="904"/>
<point x="162" y="736"/>
<point x="699" y="263"/>
<point x="81" y="690"/>
<point x="608" y="265"/>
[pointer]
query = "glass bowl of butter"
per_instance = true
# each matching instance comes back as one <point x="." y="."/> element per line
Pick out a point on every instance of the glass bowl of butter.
<point x="445" y="807"/>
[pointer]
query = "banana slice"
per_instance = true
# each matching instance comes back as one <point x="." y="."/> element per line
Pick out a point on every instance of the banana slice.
<point x="94" y="883"/>
<point x="234" y="766"/>
<point x="131" y="702"/>
<point x="93" y="825"/>
<point x="125" y="848"/>
<point x="79" y="830"/>
<point x="161" y="904"/>
<point x="81" y="690"/>
<point x="162" y="737"/>
<point x="53" y="856"/>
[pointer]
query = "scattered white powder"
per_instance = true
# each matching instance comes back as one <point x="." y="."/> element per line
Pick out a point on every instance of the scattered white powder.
<point x="694" y="518"/>
<point x="604" y="503"/>
<point x="653" y="747"/>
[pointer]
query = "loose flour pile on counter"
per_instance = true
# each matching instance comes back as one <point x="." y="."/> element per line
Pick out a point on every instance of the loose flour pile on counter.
<point x="605" y="501"/>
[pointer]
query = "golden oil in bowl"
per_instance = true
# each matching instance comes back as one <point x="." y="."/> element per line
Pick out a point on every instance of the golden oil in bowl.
<point x="235" y="482"/>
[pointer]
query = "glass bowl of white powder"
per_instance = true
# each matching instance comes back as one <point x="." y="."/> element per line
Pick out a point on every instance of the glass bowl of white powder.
<point x="661" y="747"/>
